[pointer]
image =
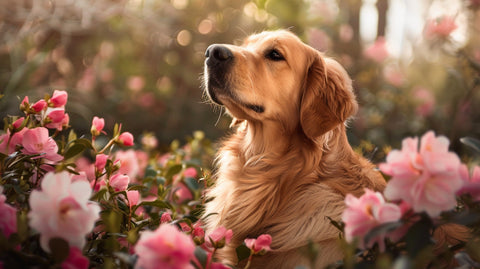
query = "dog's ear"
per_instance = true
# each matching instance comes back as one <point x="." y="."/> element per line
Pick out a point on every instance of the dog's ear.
<point x="328" y="99"/>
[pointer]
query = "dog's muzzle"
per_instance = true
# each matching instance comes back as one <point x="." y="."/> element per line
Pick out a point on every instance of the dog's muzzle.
<point x="218" y="62"/>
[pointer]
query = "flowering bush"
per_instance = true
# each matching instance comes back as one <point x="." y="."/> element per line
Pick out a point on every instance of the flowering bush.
<point x="79" y="202"/>
<point x="432" y="214"/>
<point x="76" y="202"/>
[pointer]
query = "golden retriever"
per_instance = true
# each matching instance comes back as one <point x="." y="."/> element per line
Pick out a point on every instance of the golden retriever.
<point x="288" y="165"/>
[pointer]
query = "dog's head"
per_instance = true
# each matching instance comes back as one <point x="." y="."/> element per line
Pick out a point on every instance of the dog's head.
<point x="274" y="76"/>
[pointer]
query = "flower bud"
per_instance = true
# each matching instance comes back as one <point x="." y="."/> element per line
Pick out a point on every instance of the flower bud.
<point x="97" y="126"/>
<point x="125" y="139"/>
<point x="59" y="98"/>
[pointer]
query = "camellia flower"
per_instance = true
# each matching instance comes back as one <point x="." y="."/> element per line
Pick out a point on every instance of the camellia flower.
<point x="37" y="141"/>
<point x="8" y="216"/>
<point x="100" y="162"/>
<point x="75" y="260"/>
<point x="377" y="51"/>
<point x="119" y="182"/>
<point x="62" y="209"/>
<point x="260" y="245"/>
<point x="39" y="105"/>
<point x="440" y="28"/>
<point x="97" y="126"/>
<point x="128" y="162"/>
<point x="133" y="198"/>
<point x="8" y="144"/>
<point x="166" y="248"/>
<point x="365" y="213"/>
<point x="125" y="139"/>
<point x="56" y="118"/>
<point x="165" y="218"/>
<point x="58" y="99"/>
<point x="198" y="235"/>
<point x="219" y="237"/>
<point x="426" y="178"/>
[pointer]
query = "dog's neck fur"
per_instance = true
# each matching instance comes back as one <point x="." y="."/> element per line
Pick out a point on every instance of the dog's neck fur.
<point x="256" y="159"/>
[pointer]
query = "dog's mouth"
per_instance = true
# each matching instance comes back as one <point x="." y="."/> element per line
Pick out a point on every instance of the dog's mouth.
<point x="221" y="92"/>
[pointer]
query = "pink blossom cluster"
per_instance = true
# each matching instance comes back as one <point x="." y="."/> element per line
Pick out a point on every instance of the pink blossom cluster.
<point x="62" y="209"/>
<point x="425" y="178"/>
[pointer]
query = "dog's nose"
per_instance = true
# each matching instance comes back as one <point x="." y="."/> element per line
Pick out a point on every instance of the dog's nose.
<point x="218" y="53"/>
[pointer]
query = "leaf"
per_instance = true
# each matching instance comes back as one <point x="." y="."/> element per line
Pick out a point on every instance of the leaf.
<point x="382" y="229"/>
<point x="73" y="151"/>
<point x="173" y="171"/>
<point x="156" y="203"/>
<point x="472" y="143"/>
<point x="59" y="248"/>
<point x="201" y="256"/>
<point x="418" y="236"/>
<point x="72" y="136"/>
<point x="243" y="252"/>
<point x="192" y="183"/>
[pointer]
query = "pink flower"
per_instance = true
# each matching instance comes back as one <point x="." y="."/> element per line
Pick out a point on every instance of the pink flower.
<point x="75" y="260"/>
<point x="125" y="139"/>
<point x="8" y="216"/>
<point x="190" y="172"/>
<point x="39" y="105"/>
<point x="198" y="235"/>
<point x="37" y="141"/>
<point x="24" y="104"/>
<point x="59" y="98"/>
<point x="56" y="118"/>
<point x="377" y="51"/>
<point x="128" y="162"/>
<point x="471" y="184"/>
<point x="18" y="123"/>
<point x="149" y="141"/>
<point x="165" y="218"/>
<point x="166" y="248"/>
<point x="8" y="144"/>
<point x="183" y="193"/>
<point x="440" y="28"/>
<point x="259" y="245"/>
<point x="97" y="126"/>
<point x="133" y="198"/>
<point x="426" y="178"/>
<point x="219" y="237"/>
<point x="119" y="182"/>
<point x="62" y="209"/>
<point x="100" y="162"/>
<point x="365" y="213"/>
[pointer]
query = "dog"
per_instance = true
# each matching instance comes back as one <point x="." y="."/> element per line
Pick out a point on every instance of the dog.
<point x="288" y="164"/>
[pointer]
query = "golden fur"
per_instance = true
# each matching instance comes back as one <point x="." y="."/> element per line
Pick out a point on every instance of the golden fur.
<point x="288" y="165"/>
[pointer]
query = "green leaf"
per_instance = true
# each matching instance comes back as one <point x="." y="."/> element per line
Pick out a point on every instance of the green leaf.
<point x="156" y="203"/>
<point x="201" y="256"/>
<point x="59" y="248"/>
<point x="472" y="143"/>
<point x="192" y="183"/>
<point x="72" y="136"/>
<point x="73" y="151"/>
<point x="418" y="236"/>
<point x="382" y="230"/>
<point x="243" y="252"/>
<point x="175" y="169"/>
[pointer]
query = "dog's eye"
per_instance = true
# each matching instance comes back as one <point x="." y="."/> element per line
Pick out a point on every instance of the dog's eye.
<point x="274" y="55"/>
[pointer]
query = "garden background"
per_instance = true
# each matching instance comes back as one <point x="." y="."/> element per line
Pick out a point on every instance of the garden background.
<point x="125" y="169"/>
<point x="139" y="62"/>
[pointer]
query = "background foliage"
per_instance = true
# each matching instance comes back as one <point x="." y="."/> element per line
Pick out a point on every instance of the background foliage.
<point x="140" y="61"/>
